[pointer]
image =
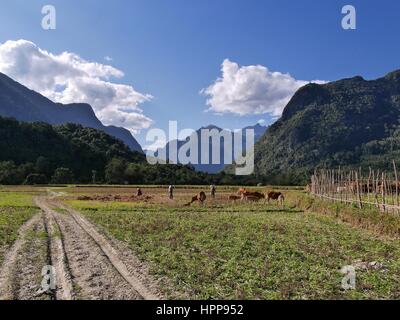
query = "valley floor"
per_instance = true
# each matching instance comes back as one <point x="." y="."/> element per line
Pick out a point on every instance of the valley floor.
<point x="106" y="243"/>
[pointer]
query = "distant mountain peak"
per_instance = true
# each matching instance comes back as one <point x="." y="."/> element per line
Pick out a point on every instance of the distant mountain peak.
<point x="393" y="76"/>
<point x="357" y="78"/>
<point x="259" y="130"/>
<point x="256" y="126"/>
<point x="211" y="127"/>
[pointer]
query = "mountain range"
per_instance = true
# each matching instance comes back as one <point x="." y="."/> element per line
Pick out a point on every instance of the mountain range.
<point x="23" y="104"/>
<point x="349" y="123"/>
<point x="259" y="130"/>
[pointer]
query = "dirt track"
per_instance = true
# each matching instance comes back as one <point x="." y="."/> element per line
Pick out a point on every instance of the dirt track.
<point x="88" y="265"/>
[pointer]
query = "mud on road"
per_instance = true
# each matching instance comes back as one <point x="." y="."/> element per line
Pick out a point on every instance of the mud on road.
<point x="87" y="264"/>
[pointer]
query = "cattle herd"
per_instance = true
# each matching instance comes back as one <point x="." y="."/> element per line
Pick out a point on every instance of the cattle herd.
<point x="244" y="195"/>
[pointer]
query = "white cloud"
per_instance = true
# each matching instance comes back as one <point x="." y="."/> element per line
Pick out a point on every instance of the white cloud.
<point x="247" y="90"/>
<point x="108" y="58"/>
<point x="67" y="78"/>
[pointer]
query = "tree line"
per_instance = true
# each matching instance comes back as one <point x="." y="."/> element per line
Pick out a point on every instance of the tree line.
<point x="39" y="153"/>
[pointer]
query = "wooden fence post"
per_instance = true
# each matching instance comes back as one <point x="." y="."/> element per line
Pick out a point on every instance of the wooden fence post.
<point x="397" y="182"/>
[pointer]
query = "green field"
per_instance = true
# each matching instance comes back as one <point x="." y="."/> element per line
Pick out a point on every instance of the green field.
<point x="226" y="250"/>
<point x="16" y="207"/>
<point x="248" y="251"/>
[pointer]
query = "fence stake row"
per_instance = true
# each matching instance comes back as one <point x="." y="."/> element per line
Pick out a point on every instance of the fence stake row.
<point x="376" y="189"/>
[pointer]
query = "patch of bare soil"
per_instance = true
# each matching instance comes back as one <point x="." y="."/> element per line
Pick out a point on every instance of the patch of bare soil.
<point x="96" y="268"/>
<point x="87" y="265"/>
<point x="134" y="270"/>
<point x="56" y="253"/>
<point x="115" y="198"/>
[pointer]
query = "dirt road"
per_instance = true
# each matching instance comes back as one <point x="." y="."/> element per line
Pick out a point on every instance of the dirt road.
<point x="84" y="263"/>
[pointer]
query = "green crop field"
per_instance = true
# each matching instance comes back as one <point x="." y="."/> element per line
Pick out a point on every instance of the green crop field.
<point x="16" y="207"/>
<point x="248" y="251"/>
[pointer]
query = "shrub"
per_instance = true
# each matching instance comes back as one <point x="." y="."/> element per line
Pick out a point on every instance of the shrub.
<point x="62" y="175"/>
<point x="35" y="178"/>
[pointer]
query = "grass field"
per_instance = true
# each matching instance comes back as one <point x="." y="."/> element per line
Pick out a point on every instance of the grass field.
<point x="16" y="207"/>
<point x="249" y="251"/>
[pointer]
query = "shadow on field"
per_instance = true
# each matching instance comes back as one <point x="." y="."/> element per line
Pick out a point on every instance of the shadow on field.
<point x="242" y="210"/>
<point x="293" y="210"/>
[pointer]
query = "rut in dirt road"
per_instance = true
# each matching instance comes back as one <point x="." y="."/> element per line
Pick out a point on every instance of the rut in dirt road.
<point x="20" y="273"/>
<point x="57" y="255"/>
<point x="88" y="266"/>
<point x="38" y="247"/>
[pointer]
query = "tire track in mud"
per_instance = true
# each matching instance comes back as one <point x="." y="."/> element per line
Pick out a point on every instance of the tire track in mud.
<point x="96" y="267"/>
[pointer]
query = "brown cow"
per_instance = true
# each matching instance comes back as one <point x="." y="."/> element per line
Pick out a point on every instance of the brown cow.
<point x="201" y="197"/>
<point x="278" y="196"/>
<point x="253" y="196"/>
<point x="234" y="198"/>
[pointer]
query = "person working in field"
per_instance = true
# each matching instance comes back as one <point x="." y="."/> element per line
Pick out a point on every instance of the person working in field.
<point x="171" y="192"/>
<point x="139" y="192"/>
<point x="213" y="191"/>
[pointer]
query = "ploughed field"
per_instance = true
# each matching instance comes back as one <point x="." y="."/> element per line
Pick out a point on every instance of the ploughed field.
<point x="221" y="250"/>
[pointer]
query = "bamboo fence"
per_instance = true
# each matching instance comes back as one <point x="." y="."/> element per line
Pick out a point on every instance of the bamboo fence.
<point x="372" y="189"/>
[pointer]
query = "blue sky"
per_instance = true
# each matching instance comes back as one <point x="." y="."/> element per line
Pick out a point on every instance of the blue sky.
<point x="173" y="49"/>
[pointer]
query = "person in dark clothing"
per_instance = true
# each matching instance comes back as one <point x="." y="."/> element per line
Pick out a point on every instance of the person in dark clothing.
<point x="171" y="192"/>
<point x="213" y="191"/>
